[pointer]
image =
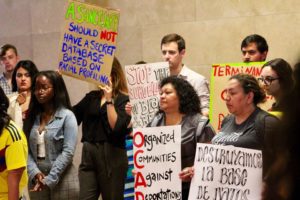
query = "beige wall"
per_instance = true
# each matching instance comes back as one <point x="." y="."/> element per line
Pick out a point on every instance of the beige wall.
<point x="213" y="30"/>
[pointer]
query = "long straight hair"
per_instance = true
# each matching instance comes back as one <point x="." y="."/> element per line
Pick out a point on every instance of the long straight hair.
<point x="118" y="78"/>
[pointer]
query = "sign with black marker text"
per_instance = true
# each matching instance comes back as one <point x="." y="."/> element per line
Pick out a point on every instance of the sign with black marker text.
<point x="143" y="88"/>
<point x="226" y="173"/>
<point x="157" y="162"/>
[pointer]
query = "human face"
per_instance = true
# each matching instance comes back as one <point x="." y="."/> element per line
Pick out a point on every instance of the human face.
<point x="236" y="99"/>
<point x="169" y="101"/>
<point x="251" y="53"/>
<point x="23" y="80"/>
<point x="43" y="90"/>
<point x="171" y="54"/>
<point x="269" y="80"/>
<point x="10" y="60"/>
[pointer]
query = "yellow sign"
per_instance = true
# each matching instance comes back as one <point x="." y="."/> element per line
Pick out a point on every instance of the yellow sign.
<point x="220" y="75"/>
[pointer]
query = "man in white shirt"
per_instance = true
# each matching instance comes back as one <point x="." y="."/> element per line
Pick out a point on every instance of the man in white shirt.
<point x="173" y="51"/>
<point x="9" y="59"/>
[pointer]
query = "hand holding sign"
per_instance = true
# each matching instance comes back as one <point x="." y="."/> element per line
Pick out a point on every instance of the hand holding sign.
<point x="107" y="89"/>
<point x="88" y="42"/>
<point x="187" y="174"/>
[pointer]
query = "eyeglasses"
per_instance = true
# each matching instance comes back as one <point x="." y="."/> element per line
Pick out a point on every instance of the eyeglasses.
<point x="267" y="80"/>
<point x="42" y="89"/>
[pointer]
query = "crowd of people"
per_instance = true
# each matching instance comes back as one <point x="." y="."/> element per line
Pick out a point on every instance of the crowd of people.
<point x="39" y="126"/>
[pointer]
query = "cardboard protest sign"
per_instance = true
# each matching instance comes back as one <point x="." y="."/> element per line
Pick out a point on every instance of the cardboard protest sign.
<point x="88" y="42"/>
<point x="226" y="172"/>
<point x="220" y="75"/>
<point x="143" y="86"/>
<point x="157" y="162"/>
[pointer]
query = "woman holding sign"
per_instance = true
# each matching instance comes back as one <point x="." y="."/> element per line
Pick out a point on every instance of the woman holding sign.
<point x="104" y="164"/>
<point x="180" y="104"/>
<point x="247" y="126"/>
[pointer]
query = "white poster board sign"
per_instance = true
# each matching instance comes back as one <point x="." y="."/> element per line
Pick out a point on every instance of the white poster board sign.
<point x="143" y="88"/>
<point x="157" y="162"/>
<point x="226" y="172"/>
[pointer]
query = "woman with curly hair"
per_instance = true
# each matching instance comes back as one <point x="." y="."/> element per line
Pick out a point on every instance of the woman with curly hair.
<point x="179" y="104"/>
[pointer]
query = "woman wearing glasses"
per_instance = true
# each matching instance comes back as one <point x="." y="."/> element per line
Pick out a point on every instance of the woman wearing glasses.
<point x="52" y="131"/>
<point x="277" y="80"/>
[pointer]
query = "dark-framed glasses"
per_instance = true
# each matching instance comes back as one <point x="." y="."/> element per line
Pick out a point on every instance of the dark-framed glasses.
<point x="267" y="80"/>
<point x="42" y="89"/>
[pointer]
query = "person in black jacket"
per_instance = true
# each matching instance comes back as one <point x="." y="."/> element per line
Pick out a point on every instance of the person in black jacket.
<point x="105" y="123"/>
<point x="179" y="105"/>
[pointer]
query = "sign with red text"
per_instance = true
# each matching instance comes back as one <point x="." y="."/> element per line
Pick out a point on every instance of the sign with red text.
<point x="88" y="42"/>
<point x="226" y="172"/>
<point x="143" y="88"/>
<point x="157" y="162"/>
<point x="220" y="75"/>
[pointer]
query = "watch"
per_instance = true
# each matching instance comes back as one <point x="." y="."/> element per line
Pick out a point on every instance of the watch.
<point x="109" y="102"/>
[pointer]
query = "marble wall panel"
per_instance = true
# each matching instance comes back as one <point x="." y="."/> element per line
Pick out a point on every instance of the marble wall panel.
<point x="215" y="9"/>
<point x="15" y="18"/>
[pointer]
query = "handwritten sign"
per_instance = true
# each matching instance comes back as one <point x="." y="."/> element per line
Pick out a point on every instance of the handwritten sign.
<point x="220" y="75"/>
<point x="226" y="172"/>
<point x="157" y="161"/>
<point x="88" y="42"/>
<point x="143" y="85"/>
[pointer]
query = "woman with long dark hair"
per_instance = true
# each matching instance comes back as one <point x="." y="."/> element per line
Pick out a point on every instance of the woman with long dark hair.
<point x="22" y="78"/>
<point x="52" y="131"/>
<point x="277" y="79"/>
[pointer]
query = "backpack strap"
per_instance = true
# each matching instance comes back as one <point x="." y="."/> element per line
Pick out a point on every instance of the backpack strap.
<point x="260" y="123"/>
<point x="204" y="132"/>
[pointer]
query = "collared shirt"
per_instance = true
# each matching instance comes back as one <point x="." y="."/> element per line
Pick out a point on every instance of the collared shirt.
<point x="13" y="155"/>
<point x="60" y="143"/>
<point x="4" y="85"/>
<point x="199" y="83"/>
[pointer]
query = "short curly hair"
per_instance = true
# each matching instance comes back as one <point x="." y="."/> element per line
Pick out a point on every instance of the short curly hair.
<point x="189" y="102"/>
<point x="250" y="84"/>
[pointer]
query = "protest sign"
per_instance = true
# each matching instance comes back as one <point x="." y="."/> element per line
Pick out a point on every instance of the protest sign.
<point x="88" y="42"/>
<point x="220" y="75"/>
<point x="226" y="173"/>
<point x="143" y="88"/>
<point x="157" y="162"/>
